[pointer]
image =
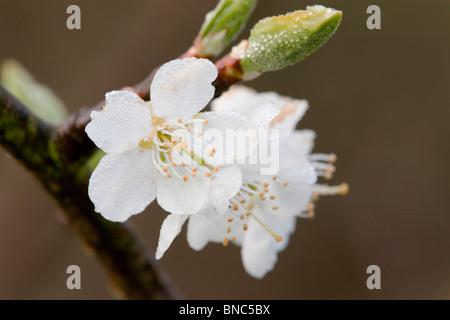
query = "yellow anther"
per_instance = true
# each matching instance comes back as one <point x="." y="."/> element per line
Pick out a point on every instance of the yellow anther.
<point x="225" y="241"/>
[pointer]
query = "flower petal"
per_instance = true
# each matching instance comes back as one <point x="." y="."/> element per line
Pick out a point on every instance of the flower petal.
<point x="182" y="87"/>
<point x="224" y="185"/>
<point x="170" y="228"/>
<point x="292" y="111"/>
<point x="259" y="249"/>
<point x="121" y="124"/>
<point x="232" y="135"/>
<point x="182" y="197"/>
<point x="246" y="101"/>
<point x="122" y="185"/>
<point x="200" y="231"/>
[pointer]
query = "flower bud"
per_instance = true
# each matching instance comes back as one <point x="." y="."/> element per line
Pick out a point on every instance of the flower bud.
<point x="277" y="42"/>
<point x="222" y="25"/>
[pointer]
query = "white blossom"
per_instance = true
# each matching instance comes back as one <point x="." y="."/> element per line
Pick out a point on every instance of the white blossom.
<point x="262" y="214"/>
<point x="153" y="149"/>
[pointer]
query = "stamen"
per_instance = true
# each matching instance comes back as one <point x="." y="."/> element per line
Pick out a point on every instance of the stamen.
<point x="225" y="241"/>
<point x="277" y="237"/>
<point x="185" y="178"/>
<point x="325" y="190"/>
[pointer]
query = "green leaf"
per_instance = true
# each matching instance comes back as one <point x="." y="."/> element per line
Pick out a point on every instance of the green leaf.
<point x="277" y="42"/>
<point x="38" y="98"/>
<point x="223" y="24"/>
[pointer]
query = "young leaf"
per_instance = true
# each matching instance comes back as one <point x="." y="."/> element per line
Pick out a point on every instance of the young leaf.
<point x="37" y="97"/>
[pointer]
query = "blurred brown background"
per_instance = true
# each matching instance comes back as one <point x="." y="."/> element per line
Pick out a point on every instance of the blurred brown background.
<point x="379" y="99"/>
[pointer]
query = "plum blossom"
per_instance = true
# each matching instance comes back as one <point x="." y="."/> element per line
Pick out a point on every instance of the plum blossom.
<point x="262" y="214"/>
<point x="153" y="148"/>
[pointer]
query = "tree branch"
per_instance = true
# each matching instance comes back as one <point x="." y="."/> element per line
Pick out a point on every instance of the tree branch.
<point x="133" y="273"/>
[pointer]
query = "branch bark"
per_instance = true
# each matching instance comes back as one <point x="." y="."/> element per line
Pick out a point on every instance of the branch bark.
<point x="132" y="271"/>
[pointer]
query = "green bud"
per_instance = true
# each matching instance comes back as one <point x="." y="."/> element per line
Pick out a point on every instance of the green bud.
<point x="277" y="42"/>
<point x="38" y="98"/>
<point x="223" y="24"/>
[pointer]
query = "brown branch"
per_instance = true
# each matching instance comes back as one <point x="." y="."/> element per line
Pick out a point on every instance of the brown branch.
<point x="133" y="273"/>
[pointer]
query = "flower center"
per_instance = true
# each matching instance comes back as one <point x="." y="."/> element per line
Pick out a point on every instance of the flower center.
<point x="244" y="202"/>
<point x="259" y="190"/>
<point x="178" y="148"/>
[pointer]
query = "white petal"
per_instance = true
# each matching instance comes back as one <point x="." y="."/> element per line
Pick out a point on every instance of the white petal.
<point x="123" y="185"/>
<point x="301" y="142"/>
<point x="238" y="98"/>
<point x="225" y="184"/>
<point x="170" y="228"/>
<point x="121" y="124"/>
<point x="182" y="197"/>
<point x="182" y="87"/>
<point x="263" y="115"/>
<point x="231" y="135"/>
<point x="200" y="231"/>
<point x="292" y="111"/>
<point x="246" y="101"/>
<point x="259" y="249"/>
<point x="290" y="200"/>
